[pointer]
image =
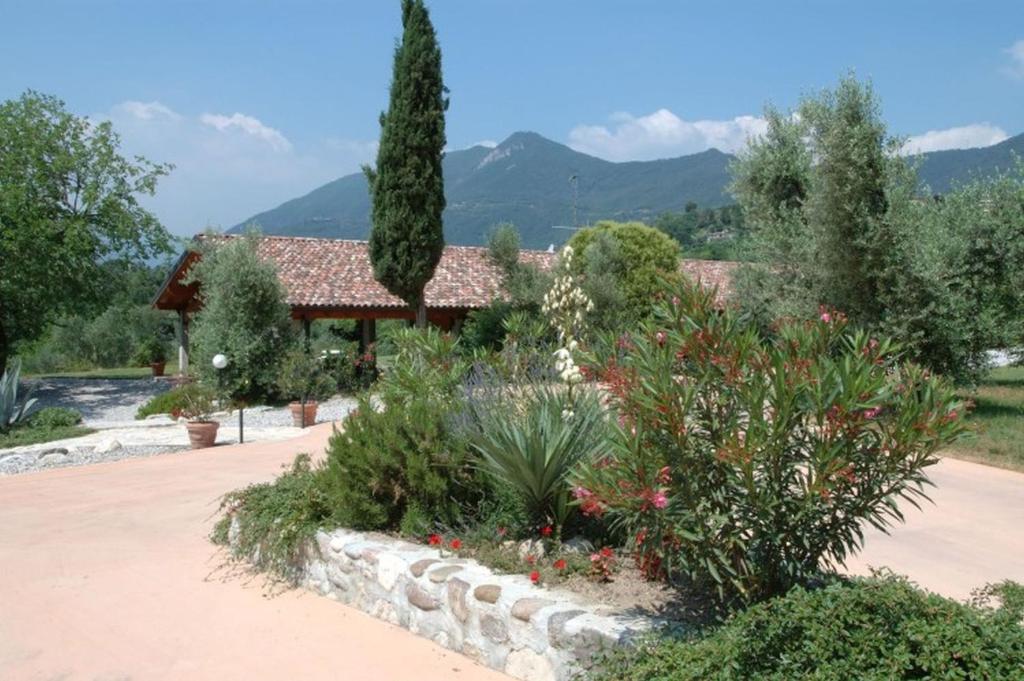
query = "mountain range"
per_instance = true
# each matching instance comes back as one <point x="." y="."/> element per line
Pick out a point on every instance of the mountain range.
<point x="545" y="188"/>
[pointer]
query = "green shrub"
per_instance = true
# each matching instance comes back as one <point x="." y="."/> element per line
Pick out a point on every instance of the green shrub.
<point x="623" y="263"/>
<point x="871" y="629"/>
<point x="171" y="402"/>
<point x="302" y="376"/>
<point x="349" y="370"/>
<point x="399" y="463"/>
<point x="150" y="351"/>
<point x="276" y="519"/>
<point x="750" y="464"/>
<point x="397" y="468"/>
<point x="55" y="417"/>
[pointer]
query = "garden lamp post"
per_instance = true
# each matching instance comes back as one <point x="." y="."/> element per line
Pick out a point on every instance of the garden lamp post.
<point x="220" y="361"/>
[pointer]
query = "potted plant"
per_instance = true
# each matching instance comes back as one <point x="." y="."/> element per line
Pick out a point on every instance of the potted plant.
<point x="152" y="352"/>
<point x="197" y="408"/>
<point x="302" y="379"/>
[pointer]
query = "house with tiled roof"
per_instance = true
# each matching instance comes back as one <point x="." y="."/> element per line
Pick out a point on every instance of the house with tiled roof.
<point x="333" y="279"/>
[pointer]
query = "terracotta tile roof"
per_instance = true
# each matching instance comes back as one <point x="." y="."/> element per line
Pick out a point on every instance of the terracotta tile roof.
<point x="335" y="273"/>
<point x="321" y="273"/>
<point x="712" y="273"/>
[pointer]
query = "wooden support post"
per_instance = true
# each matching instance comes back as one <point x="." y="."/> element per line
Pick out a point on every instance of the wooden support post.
<point x="182" y="341"/>
<point x="368" y="334"/>
<point x="307" y="332"/>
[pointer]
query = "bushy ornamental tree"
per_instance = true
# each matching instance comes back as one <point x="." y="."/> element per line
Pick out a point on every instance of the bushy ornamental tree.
<point x="407" y="185"/>
<point x="623" y="263"/>
<point x="244" y="316"/>
<point x="749" y="463"/>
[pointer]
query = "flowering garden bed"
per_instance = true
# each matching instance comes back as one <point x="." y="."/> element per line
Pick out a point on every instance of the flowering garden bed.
<point x="703" y="469"/>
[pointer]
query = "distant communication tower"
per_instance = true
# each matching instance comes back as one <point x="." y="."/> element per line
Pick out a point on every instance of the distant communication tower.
<point x="574" y="181"/>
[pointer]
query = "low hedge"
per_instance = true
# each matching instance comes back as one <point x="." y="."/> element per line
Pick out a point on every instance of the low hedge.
<point x="870" y="628"/>
<point x="165" y="403"/>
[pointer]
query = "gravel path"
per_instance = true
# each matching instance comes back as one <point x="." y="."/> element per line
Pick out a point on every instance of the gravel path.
<point x="110" y="405"/>
<point x="101" y="402"/>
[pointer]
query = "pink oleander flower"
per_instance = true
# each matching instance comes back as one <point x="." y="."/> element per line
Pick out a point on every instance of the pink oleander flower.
<point x="659" y="500"/>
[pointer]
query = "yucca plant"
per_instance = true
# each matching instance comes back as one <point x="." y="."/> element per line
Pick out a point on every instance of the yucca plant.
<point x="11" y="412"/>
<point x="527" y="438"/>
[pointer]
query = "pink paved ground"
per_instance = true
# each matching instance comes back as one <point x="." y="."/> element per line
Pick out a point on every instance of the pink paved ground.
<point x="106" y="573"/>
<point x="973" y="533"/>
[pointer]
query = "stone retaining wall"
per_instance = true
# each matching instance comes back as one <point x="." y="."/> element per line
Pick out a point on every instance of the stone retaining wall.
<point x="501" y="621"/>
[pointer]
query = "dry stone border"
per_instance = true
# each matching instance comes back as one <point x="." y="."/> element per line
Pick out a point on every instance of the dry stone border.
<point x="501" y="621"/>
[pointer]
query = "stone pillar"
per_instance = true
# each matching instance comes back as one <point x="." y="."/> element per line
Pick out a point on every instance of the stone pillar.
<point x="182" y="341"/>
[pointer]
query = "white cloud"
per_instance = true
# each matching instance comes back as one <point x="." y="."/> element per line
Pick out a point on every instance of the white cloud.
<point x="1016" y="67"/>
<point x="962" y="137"/>
<point x="248" y="125"/>
<point x="490" y="144"/>
<point x="147" y="110"/>
<point x="662" y="134"/>
<point x="227" y="168"/>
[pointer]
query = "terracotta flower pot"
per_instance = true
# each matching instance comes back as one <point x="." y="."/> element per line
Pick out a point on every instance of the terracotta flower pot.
<point x="202" y="434"/>
<point x="296" y="408"/>
<point x="158" y="368"/>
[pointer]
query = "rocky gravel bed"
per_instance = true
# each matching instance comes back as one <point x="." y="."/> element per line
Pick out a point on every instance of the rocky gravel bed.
<point x="101" y="402"/>
<point x="110" y="406"/>
<point x="334" y="409"/>
<point x="15" y="462"/>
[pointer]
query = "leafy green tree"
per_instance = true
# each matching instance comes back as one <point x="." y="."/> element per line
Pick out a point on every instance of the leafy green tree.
<point x="407" y="186"/>
<point x="68" y="204"/>
<point x="839" y="219"/>
<point x="244" y="316"/>
<point x="624" y="264"/>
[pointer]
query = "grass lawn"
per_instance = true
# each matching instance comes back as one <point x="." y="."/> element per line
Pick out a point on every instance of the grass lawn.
<point x="997" y="421"/>
<point x="31" y="435"/>
<point x="111" y="373"/>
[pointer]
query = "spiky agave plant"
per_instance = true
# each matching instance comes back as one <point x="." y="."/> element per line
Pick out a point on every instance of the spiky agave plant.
<point x="525" y="440"/>
<point x="11" y="412"/>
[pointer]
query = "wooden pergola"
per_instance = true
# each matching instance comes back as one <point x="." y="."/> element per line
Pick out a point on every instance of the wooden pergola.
<point x="333" y="279"/>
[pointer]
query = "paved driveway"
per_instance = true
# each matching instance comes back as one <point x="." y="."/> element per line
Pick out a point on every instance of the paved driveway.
<point x="972" y="534"/>
<point x="106" y="574"/>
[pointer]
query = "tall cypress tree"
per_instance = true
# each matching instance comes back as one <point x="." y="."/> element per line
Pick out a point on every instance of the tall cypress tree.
<point x="407" y="186"/>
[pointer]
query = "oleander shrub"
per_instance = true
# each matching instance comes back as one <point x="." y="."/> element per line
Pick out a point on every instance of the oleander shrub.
<point x="748" y="464"/>
<point x="872" y="629"/>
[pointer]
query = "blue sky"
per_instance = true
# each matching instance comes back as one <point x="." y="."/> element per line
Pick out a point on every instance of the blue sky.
<point x="257" y="102"/>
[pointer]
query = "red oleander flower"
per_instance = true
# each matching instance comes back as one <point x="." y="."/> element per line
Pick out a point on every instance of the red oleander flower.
<point x="560" y="564"/>
<point x="434" y="540"/>
<point x="546" y="531"/>
<point x="607" y="552"/>
<point x="456" y="544"/>
<point x="502" y="531"/>
<point x="530" y="559"/>
<point x="535" y="577"/>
